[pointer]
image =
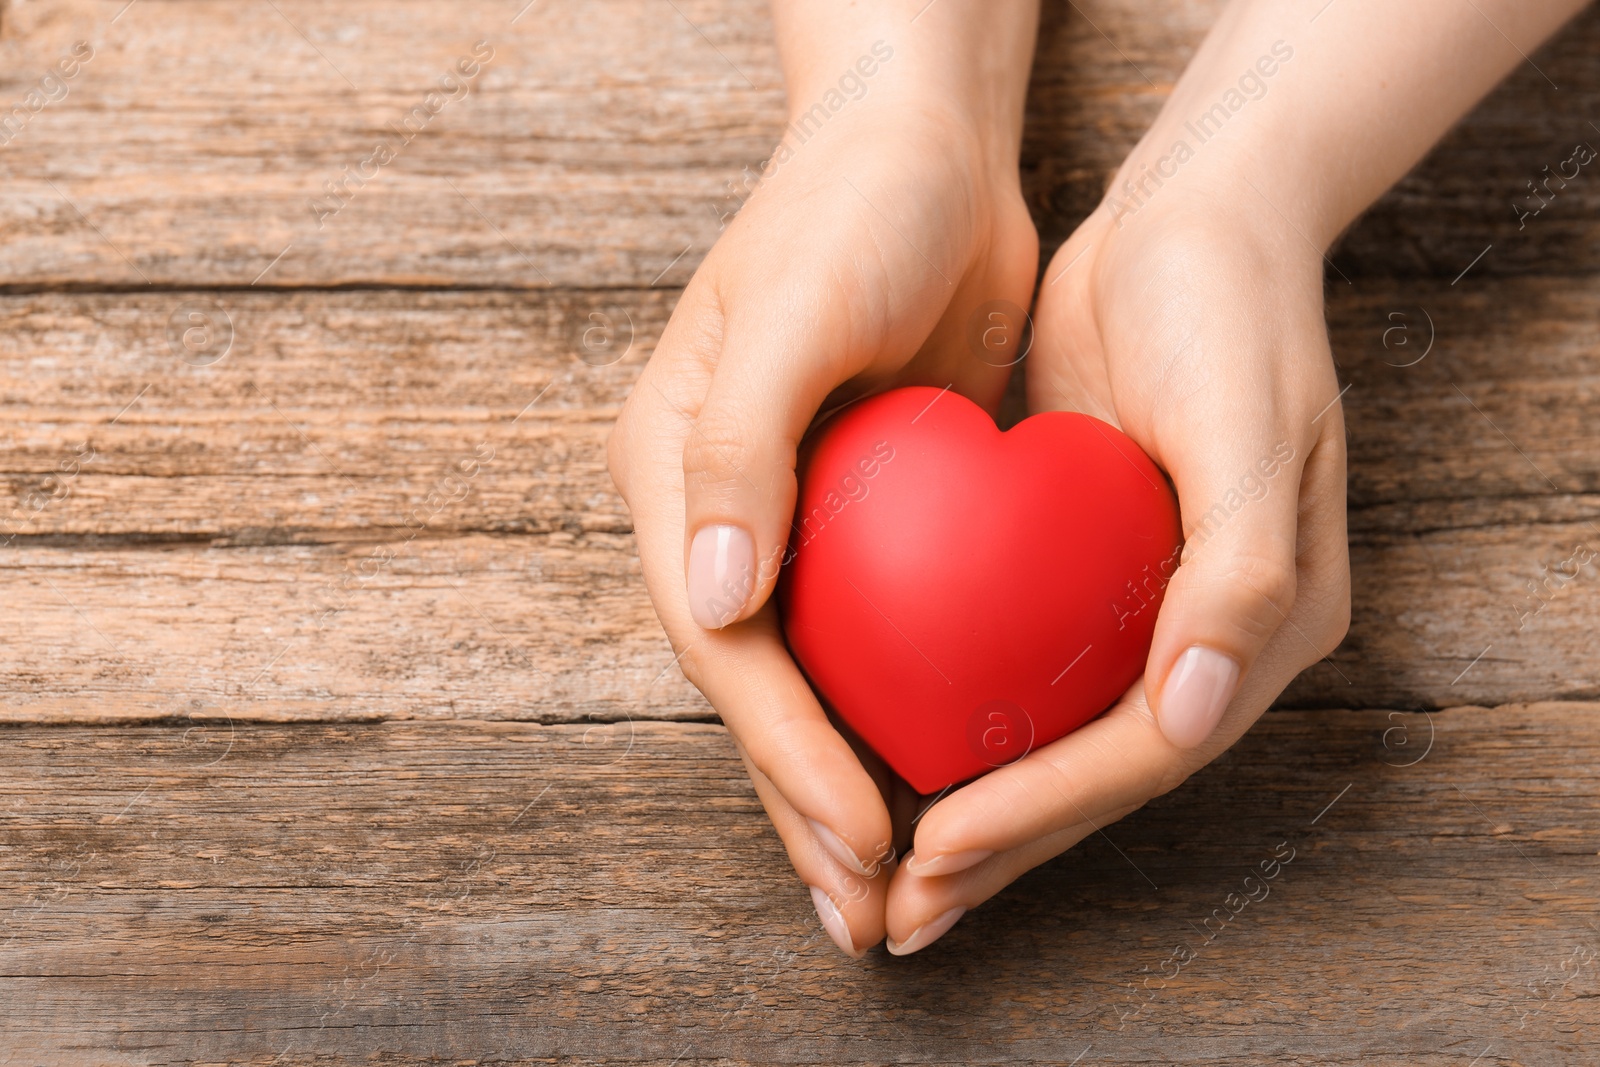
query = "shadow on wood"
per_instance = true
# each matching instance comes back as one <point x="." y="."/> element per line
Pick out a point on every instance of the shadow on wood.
<point x="207" y="891"/>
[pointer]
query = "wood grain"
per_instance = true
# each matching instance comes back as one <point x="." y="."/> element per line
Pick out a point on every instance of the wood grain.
<point x="330" y="415"/>
<point x="338" y="726"/>
<point x="550" y="629"/>
<point x="559" y="629"/>
<point x="593" y="149"/>
<point x="336" y="413"/>
<point x="299" y="894"/>
<point x="332" y="435"/>
<point x="599" y="144"/>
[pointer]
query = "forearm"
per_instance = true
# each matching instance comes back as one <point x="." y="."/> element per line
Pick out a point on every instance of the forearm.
<point x="1323" y="116"/>
<point x="964" y="60"/>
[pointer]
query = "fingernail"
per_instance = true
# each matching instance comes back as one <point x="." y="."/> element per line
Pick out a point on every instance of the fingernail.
<point x="1196" y="694"/>
<point x="722" y="573"/>
<point x="926" y="934"/>
<point x="833" y="922"/>
<point x="838" y="849"/>
<point x="949" y="863"/>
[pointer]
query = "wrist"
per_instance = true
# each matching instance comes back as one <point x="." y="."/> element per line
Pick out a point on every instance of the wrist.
<point x="1310" y="121"/>
<point x="1223" y="140"/>
<point x="1201" y="232"/>
<point x="949" y="64"/>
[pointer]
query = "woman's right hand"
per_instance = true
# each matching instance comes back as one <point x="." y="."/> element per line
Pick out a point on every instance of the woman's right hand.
<point x="862" y="262"/>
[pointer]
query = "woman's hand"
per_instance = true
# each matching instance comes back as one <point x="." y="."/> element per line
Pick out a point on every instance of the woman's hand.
<point x="1187" y="310"/>
<point x="856" y="266"/>
<point x="1199" y="333"/>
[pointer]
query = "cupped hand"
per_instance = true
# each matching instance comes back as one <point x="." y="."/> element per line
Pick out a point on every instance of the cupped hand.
<point x="1196" y="327"/>
<point x="856" y="266"/>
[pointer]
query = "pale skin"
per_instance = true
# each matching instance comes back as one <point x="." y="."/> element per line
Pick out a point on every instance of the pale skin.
<point x="1187" y="311"/>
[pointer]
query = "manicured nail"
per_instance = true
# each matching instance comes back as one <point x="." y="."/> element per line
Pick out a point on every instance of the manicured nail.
<point x="926" y="934"/>
<point x="839" y="850"/>
<point x="1196" y="694"/>
<point x="949" y="863"/>
<point x="722" y="574"/>
<point x="833" y="922"/>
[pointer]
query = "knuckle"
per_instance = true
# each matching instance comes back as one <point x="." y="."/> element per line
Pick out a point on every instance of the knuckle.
<point x="1332" y="634"/>
<point x="623" y="444"/>
<point x="693" y="663"/>
<point x="713" y="456"/>
<point x="616" y="455"/>
<point x="1264" y="577"/>
<point x="1174" y="774"/>
<point x="1332" y="622"/>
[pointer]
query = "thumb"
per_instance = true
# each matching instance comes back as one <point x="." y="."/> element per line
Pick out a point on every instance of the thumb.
<point x="1239" y="497"/>
<point x="781" y="356"/>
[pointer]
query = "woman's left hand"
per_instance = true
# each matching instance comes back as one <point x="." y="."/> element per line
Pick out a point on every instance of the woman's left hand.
<point x="1198" y="330"/>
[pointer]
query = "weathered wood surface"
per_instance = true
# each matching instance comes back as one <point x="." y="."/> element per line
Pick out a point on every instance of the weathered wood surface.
<point x="517" y="893"/>
<point x="599" y="143"/>
<point x="463" y="434"/>
<point x="329" y="416"/>
<point x="366" y="400"/>
<point x="1474" y="493"/>
<point x="477" y="626"/>
<point x="422" y="783"/>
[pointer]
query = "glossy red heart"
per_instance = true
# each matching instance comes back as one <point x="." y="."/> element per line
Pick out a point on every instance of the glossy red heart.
<point x="961" y="596"/>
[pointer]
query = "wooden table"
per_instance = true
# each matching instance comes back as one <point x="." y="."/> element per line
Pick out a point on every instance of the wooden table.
<point x="317" y="749"/>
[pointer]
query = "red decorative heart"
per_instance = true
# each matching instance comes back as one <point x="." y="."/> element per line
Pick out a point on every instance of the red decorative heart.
<point x="961" y="595"/>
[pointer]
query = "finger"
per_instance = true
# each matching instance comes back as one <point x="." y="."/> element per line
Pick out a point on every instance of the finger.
<point x="979" y="839"/>
<point x="1236" y="457"/>
<point x="785" y="347"/>
<point x="745" y="672"/>
<point x="982" y="837"/>
<point x="1123" y="758"/>
<point x="824" y="299"/>
<point x="1322" y="597"/>
<point x="761" y="695"/>
<point x="849" y="904"/>
<point x="922" y="909"/>
<point x="1114" y="763"/>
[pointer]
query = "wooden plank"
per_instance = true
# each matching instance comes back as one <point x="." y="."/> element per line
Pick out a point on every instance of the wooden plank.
<point x="559" y="629"/>
<point x="1465" y="403"/>
<point x="1474" y="493"/>
<point x="600" y="143"/>
<point x="508" y="892"/>
<point x="284" y="475"/>
<point x="336" y="414"/>
<point x="329" y="415"/>
<point x="593" y="148"/>
<point x="551" y="629"/>
<point x="1443" y="617"/>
